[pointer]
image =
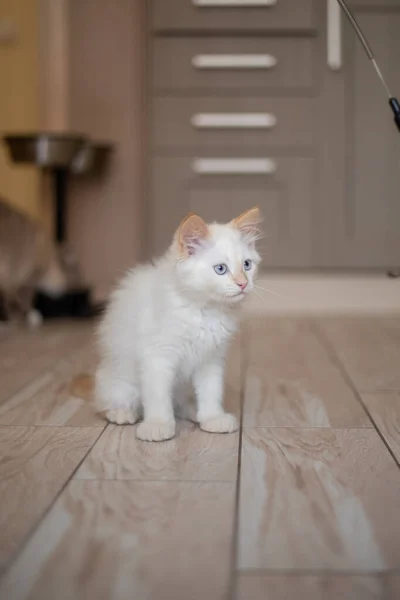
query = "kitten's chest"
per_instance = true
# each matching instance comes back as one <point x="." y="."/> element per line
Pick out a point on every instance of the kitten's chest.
<point x="207" y="332"/>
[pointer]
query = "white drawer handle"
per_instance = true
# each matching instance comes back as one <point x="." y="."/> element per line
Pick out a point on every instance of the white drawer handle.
<point x="234" y="166"/>
<point x="234" y="61"/>
<point x="234" y="3"/>
<point x="334" y="35"/>
<point x="233" y="120"/>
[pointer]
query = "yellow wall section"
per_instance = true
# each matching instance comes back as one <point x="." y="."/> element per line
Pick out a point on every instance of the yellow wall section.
<point x="19" y="102"/>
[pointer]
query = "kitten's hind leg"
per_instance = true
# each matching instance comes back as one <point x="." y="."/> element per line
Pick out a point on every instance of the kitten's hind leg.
<point x="116" y="398"/>
<point x="122" y="416"/>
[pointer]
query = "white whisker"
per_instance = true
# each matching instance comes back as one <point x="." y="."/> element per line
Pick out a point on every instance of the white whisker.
<point x="259" y="295"/>
<point x="272" y="292"/>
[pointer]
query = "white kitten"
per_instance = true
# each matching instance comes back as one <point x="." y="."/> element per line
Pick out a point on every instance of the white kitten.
<point x="168" y="326"/>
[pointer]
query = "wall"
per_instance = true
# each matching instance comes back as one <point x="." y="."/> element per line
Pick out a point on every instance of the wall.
<point x="54" y="64"/>
<point x="106" y="99"/>
<point x="19" y="101"/>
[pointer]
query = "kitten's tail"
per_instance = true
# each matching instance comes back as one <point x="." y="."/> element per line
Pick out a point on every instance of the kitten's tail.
<point x="82" y="386"/>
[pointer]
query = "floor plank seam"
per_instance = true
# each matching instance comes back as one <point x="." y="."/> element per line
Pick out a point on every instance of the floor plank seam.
<point x="380" y="391"/>
<point x="232" y="592"/>
<point x="45" y="426"/>
<point x="317" y="573"/>
<point x="307" y="427"/>
<point x="144" y="481"/>
<point x="330" y="349"/>
<point x="31" y="533"/>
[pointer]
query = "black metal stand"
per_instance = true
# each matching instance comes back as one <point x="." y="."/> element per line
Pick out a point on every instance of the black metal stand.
<point x="77" y="302"/>
<point x="60" y="180"/>
<point x="55" y="154"/>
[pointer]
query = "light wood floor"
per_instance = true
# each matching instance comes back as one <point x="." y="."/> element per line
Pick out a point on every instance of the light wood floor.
<point x="302" y="503"/>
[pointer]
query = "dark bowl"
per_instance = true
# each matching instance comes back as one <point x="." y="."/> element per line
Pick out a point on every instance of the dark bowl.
<point x="91" y="158"/>
<point x="74" y="303"/>
<point x="44" y="150"/>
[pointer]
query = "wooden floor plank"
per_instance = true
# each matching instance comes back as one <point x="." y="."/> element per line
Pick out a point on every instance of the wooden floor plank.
<point x="122" y="539"/>
<point x="385" y="410"/>
<point x="292" y="382"/>
<point x="309" y="587"/>
<point x="26" y="354"/>
<point x="35" y="463"/>
<point x="49" y="401"/>
<point x="318" y="499"/>
<point x="192" y="455"/>
<point x="319" y="490"/>
<point x="369" y="348"/>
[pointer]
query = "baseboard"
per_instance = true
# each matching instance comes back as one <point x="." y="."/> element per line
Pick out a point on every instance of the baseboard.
<point x="302" y="293"/>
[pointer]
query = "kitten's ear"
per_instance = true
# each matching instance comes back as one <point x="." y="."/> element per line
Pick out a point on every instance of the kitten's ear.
<point x="248" y="223"/>
<point x="191" y="233"/>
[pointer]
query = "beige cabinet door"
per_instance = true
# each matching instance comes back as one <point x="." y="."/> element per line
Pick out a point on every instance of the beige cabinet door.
<point x="334" y="201"/>
<point x="369" y="227"/>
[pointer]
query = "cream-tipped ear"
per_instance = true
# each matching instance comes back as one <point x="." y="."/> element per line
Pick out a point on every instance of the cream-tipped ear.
<point x="249" y="222"/>
<point x="191" y="233"/>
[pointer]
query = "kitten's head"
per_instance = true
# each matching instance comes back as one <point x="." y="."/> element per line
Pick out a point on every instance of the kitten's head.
<point x="218" y="262"/>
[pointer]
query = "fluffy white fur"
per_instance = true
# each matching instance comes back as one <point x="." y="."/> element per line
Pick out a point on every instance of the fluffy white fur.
<point x="167" y="328"/>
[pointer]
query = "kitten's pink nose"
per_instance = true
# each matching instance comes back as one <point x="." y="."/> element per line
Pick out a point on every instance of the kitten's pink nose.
<point x="242" y="284"/>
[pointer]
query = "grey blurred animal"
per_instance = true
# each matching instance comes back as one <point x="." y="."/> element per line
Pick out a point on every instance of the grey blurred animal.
<point x="29" y="262"/>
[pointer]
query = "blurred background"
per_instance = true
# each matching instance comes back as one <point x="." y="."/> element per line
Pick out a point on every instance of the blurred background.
<point x="80" y="68"/>
<point x="169" y="85"/>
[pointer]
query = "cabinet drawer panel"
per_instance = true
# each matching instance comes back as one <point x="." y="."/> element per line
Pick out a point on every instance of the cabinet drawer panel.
<point x="196" y="123"/>
<point x="374" y="3"/>
<point x="242" y="15"/>
<point x="240" y="64"/>
<point x="284" y="196"/>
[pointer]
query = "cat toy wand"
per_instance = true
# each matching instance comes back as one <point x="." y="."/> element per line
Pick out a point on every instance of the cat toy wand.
<point x="393" y="102"/>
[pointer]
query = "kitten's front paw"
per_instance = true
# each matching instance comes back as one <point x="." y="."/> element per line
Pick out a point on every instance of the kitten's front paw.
<point x="122" y="416"/>
<point x="155" y="430"/>
<point x="224" y="423"/>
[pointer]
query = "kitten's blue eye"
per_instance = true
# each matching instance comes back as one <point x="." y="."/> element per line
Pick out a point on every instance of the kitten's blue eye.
<point x="247" y="265"/>
<point x="220" y="269"/>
